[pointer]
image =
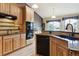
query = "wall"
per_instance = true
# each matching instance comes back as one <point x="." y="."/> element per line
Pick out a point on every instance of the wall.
<point x="37" y="22"/>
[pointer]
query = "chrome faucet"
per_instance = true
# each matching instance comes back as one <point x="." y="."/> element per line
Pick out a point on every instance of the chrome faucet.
<point x="72" y="34"/>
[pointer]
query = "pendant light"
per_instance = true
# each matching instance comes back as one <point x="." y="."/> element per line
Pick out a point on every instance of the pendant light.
<point x="53" y="16"/>
<point x="35" y="6"/>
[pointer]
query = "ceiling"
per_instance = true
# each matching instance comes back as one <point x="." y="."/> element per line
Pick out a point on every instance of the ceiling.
<point x="60" y="9"/>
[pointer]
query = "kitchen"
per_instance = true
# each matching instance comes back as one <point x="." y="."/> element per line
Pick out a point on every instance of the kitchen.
<point x="46" y="29"/>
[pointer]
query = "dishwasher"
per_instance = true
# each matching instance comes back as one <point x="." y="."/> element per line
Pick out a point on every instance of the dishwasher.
<point x="42" y="45"/>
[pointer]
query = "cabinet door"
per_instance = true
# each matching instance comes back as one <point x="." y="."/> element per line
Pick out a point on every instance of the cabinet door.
<point x="16" y="11"/>
<point x="52" y="48"/>
<point x="56" y="48"/>
<point x="23" y="40"/>
<point x="16" y="42"/>
<point x="60" y="51"/>
<point x="28" y="14"/>
<point x="32" y="15"/>
<point x="0" y="46"/>
<point x="7" y="44"/>
<point x="13" y="9"/>
<point x="5" y="8"/>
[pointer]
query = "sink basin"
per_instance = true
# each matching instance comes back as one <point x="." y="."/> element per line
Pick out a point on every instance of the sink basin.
<point x="68" y="37"/>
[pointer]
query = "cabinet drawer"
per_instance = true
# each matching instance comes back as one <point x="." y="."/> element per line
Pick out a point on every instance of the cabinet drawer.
<point x="8" y="36"/>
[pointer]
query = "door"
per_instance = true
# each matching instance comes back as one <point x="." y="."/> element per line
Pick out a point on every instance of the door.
<point x="7" y="44"/>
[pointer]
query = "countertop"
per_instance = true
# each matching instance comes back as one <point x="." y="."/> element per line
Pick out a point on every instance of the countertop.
<point x="11" y="34"/>
<point x="65" y="32"/>
<point x="72" y="44"/>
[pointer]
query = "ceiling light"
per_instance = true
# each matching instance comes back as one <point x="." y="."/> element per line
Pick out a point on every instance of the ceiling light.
<point x="53" y="16"/>
<point x="35" y="6"/>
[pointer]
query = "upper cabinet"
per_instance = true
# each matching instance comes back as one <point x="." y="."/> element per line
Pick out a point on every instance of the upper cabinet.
<point x="5" y="8"/>
<point x="29" y="14"/>
<point x="22" y="12"/>
<point x="15" y="10"/>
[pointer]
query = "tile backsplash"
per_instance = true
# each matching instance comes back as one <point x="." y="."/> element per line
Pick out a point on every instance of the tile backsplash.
<point x="8" y="27"/>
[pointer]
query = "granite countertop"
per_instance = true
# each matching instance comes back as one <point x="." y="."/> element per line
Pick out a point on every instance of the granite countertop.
<point x="72" y="44"/>
<point x="65" y="32"/>
<point x="10" y="34"/>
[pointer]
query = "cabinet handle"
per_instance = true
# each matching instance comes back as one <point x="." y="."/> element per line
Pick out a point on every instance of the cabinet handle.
<point x="70" y="53"/>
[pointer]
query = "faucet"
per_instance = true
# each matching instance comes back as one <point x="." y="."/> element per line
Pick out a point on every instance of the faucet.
<point x="72" y="34"/>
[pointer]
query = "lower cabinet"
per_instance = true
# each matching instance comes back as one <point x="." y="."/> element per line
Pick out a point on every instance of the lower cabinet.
<point x="0" y="45"/>
<point x="73" y="53"/>
<point x="7" y="44"/>
<point x="16" y="41"/>
<point x="61" y="51"/>
<point x="23" y="40"/>
<point x="10" y="43"/>
<point x="57" y="47"/>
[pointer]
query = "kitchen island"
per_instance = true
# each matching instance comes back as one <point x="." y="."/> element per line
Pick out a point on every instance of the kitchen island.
<point x="58" y="46"/>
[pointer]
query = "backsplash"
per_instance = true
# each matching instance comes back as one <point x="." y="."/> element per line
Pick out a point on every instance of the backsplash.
<point x="8" y="27"/>
<point x="7" y="24"/>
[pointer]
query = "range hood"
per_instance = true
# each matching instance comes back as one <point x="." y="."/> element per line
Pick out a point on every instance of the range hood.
<point x="7" y="16"/>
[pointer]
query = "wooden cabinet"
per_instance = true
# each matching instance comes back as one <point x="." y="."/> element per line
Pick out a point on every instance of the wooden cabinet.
<point x="29" y="14"/>
<point x="60" y="51"/>
<point x="32" y="15"/>
<point x="52" y="48"/>
<point x="13" y="9"/>
<point x="7" y="44"/>
<point x="58" y="47"/>
<point x="5" y="8"/>
<point x="73" y="53"/>
<point x="0" y="45"/>
<point x="11" y="43"/>
<point x="23" y="40"/>
<point x="16" y="41"/>
<point x="16" y="11"/>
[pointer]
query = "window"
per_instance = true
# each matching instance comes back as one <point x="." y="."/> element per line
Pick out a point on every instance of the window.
<point x="53" y="26"/>
<point x="74" y="22"/>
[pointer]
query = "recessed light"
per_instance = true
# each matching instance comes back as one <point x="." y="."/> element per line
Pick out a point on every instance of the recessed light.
<point x="35" y="6"/>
